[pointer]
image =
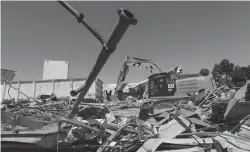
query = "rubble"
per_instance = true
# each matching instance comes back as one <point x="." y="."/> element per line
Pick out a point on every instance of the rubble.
<point x="199" y="122"/>
<point x="186" y="126"/>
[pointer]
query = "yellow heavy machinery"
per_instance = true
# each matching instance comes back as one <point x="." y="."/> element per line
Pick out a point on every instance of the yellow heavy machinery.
<point x="159" y="83"/>
<point x="161" y="89"/>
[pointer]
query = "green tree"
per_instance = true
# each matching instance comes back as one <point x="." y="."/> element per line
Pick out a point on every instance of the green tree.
<point x="222" y="72"/>
<point x="240" y="75"/>
<point x="238" y="78"/>
<point x="236" y="68"/>
<point x="216" y="72"/>
<point x="247" y="74"/>
<point x="226" y="67"/>
<point x="204" y="72"/>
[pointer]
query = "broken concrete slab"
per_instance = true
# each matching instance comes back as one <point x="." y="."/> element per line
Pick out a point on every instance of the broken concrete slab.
<point x="153" y="144"/>
<point x="172" y="129"/>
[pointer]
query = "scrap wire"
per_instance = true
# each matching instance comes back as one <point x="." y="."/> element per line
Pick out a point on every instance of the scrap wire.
<point x="10" y="84"/>
<point x="20" y="75"/>
<point x="242" y="121"/>
<point x="9" y="95"/>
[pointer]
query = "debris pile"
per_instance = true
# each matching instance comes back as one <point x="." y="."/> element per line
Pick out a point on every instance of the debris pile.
<point x="210" y="120"/>
<point x="186" y="126"/>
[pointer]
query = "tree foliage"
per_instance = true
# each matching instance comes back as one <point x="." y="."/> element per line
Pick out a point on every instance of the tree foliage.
<point x="204" y="72"/>
<point x="230" y="74"/>
<point x="238" y="78"/>
<point x="248" y="72"/>
<point x="216" y="70"/>
<point x="226" y="67"/>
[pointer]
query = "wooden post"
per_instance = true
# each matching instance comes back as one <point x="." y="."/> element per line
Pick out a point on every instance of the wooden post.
<point x="34" y="95"/>
<point x="3" y="91"/>
<point x="53" y="86"/>
<point x="71" y="84"/>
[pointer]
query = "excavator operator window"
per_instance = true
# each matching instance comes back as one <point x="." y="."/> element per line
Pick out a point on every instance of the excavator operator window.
<point x="162" y="87"/>
<point x="158" y="87"/>
<point x="153" y="86"/>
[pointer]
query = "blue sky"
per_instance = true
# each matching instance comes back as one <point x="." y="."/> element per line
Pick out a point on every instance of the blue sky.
<point x="194" y="34"/>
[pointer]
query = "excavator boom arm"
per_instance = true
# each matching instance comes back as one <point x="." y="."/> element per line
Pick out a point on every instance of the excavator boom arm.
<point x="135" y="62"/>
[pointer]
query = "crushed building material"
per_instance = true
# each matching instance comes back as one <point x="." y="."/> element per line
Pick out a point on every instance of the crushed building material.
<point x="203" y="119"/>
<point x="112" y="126"/>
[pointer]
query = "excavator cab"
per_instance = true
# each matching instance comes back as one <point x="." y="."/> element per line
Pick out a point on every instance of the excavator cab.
<point x="161" y="84"/>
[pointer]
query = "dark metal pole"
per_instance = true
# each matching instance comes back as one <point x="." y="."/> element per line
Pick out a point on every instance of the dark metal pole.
<point x="125" y="20"/>
<point x="115" y="37"/>
<point x="80" y="19"/>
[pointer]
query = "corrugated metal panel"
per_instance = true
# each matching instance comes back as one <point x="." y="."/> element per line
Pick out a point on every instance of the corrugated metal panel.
<point x="188" y="84"/>
<point x="185" y="76"/>
<point x="191" y="85"/>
